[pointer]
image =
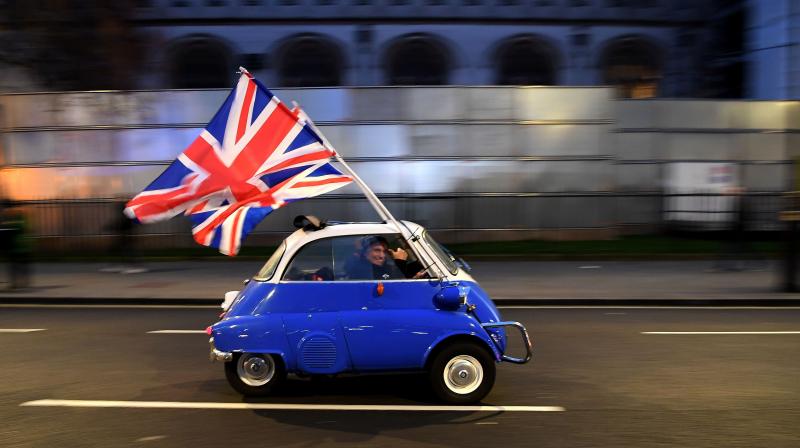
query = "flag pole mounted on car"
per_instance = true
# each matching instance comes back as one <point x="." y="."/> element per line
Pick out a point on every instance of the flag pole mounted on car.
<point x="373" y="199"/>
<point x="254" y="156"/>
<point x="376" y="203"/>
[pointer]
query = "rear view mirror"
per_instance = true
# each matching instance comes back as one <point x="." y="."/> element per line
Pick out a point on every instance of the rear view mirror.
<point x="450" y="298"/>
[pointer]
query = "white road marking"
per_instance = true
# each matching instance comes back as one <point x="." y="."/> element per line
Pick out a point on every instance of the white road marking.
<point x="66" y="306"/>
<point x="721" y="332"/>
<point x="283" y="406"/>
<point x="486" y="423"/>
<point x="151" y="438"/>
<point x="590" y="267"/>
<point x="642" y="307"/>
<point x="20" y="330"/>
<point x="176" y="331"/>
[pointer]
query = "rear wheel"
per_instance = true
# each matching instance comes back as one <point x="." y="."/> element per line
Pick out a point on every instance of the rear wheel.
<point x="254" y="374"/>
<point x="462" y="372"/>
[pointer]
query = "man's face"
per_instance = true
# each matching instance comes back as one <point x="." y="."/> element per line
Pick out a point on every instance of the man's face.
<point x="376" y="254"/>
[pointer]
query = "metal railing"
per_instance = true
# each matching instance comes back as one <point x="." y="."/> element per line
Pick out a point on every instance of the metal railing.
<point x="93" y="224"/>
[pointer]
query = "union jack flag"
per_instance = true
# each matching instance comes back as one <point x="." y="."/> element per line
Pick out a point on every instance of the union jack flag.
<point x="255" y="156"/>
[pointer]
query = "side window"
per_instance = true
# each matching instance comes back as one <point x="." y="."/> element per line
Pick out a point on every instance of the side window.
<point x="346" y="256"/>
<point x="374" y="257"/>
<point x="312" y="262"/>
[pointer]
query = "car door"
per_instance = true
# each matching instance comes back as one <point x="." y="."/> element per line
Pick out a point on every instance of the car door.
<point x="388" y="324"/>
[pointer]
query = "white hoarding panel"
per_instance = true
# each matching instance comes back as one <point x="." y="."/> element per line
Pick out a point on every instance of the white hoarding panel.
<point x="696" y="191"/>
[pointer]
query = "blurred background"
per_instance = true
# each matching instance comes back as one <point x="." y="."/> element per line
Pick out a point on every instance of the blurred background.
<point x="571" y="127"/>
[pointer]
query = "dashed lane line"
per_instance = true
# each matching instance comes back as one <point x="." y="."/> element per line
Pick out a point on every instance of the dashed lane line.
<point x="643" y="307"/>
<point x="20" y="330"/>
<point x="176" y="332"/>
<point x="716" y="332"/>
<point x="99" y="306"/>
<point x="282" y="406"/>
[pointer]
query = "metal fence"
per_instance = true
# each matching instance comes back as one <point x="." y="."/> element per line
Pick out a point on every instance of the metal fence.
<point x="91" y="225"/>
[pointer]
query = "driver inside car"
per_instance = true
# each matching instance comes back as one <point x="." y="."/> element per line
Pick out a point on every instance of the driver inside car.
<point x="377" y="261"/>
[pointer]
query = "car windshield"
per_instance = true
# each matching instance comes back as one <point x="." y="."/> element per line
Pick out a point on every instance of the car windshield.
<point x="442" y="253"/>
<point x="269" y="267"/>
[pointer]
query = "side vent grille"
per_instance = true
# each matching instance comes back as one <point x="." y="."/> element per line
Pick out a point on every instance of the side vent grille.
<point x="319" y="353"/>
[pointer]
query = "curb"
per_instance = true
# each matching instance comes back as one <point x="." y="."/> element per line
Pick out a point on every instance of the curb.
<point x="151" y="301"/>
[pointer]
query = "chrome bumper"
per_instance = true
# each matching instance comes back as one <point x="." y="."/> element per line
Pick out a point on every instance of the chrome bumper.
<point x="525" y="339"/>
<point x="216" y="355"/>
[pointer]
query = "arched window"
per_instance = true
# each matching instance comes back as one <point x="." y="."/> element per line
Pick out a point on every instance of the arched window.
<point x="633" y="65"/>
<point x="417" y="59"/>
<point x="200" y="62"/>
<point x="309" y="61"/>
<point x="526" y="60"/>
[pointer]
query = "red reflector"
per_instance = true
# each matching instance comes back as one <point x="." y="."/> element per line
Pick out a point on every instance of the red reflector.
<point x="208" y="330"/>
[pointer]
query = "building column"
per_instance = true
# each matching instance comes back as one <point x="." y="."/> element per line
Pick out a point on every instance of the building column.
<point x="576" y="68"/>
<point x="365" y="59"/>
<point x="772" y="54"/>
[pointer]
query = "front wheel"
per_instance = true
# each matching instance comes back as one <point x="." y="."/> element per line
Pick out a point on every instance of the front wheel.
<point x="462" y="373"/>
<point x="254" y="374"/>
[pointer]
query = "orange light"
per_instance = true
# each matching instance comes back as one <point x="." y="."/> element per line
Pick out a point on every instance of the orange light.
<point x="379" y="289"/>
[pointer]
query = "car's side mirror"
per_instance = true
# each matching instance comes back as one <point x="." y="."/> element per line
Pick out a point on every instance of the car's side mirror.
<point x="450" y="298"/>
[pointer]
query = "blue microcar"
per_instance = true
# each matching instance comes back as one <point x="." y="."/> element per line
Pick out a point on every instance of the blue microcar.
<point x="361" y="298"/>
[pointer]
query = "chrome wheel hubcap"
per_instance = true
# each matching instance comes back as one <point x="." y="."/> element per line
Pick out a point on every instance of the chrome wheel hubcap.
<point x="255" y="370"/>
<point x="463" y="374"/>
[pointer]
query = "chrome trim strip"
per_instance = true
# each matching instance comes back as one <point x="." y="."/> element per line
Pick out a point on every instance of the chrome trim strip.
<point x="375" y="281"/>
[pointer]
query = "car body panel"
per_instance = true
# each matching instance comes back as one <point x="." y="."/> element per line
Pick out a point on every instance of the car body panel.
<point x="251" y="334"/>
<point x="328" y="327"/>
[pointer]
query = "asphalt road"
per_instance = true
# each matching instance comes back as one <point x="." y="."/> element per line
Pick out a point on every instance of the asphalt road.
<point x="618" y="387"/>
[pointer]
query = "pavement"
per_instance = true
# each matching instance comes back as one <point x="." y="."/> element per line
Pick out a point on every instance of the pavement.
<point x="508" y="282"/>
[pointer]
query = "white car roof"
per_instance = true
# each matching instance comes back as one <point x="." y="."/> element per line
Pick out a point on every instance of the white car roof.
<point x="302" y="236"/>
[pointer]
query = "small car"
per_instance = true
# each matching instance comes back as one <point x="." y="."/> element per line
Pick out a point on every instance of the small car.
<point x="363" y="298"/>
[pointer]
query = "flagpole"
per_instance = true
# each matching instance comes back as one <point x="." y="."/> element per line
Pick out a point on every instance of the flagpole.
<point x="373" y="199"/>
<point x="371" y="196"/>
<point x="379" y="207"/>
